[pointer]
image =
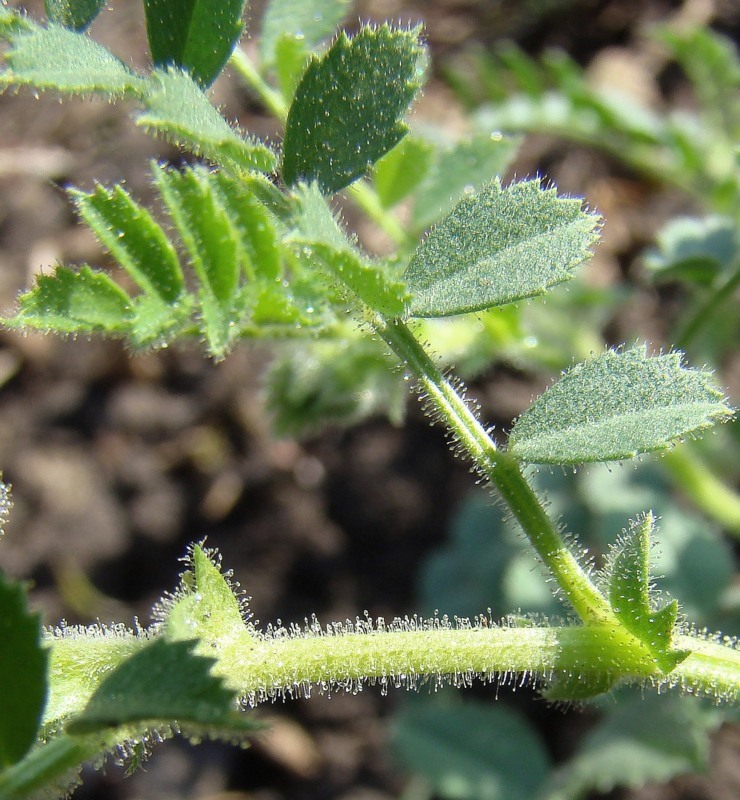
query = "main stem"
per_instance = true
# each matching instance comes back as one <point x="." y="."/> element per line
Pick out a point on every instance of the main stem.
<point x="501" y="470"/>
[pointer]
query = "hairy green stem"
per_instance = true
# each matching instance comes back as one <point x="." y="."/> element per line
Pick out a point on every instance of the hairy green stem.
<point x="501" y="470"/>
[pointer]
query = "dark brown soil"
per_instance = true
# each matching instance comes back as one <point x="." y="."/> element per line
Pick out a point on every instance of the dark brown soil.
<point x="119" y="461"/>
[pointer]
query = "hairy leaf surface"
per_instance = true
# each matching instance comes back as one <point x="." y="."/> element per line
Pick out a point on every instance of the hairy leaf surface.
<point x="195" y="35"/>
<point x="347" y="110"/>
<point x="60" y="59"/>
<point x="498" y="246"/>
<point x="70" y="301"/>
<point x="615" y="406"/>
<point x="468" y="164"/>
<point x="132" y="236"/>
<point x="176" y="107"/>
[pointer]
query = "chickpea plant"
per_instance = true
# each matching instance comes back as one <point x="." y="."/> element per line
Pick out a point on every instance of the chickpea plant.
<point x="253" y="250"/>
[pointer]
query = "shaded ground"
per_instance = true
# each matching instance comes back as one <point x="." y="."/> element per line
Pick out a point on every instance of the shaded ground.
<point x="119" y="462"/>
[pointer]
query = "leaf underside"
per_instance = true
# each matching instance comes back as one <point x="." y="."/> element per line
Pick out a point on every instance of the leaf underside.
<point x="616" y="406"/>
<point x="498" y="246"/>
<point x="57" y="58"/>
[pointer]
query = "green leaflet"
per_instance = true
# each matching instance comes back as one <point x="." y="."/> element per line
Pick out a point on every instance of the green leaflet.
<point x="347" y="110"/>
<point x="74" y="14"/>
<point x="164" y="681"/>
<point x="135" y="240"/>
<point x="23" y="669"/>
<point x="321" y="242"/>
<point x="60" y="59"/>
<point x="72" y="301"/>
<point x="176" y="107"/>
<point x="627" y="574"/>
<point x="308" y="21"/>
<point x="498" y="246"/>
<point x="194" y="35"/>
<point x="206" y="231"/>
<point x="615" y="406"/>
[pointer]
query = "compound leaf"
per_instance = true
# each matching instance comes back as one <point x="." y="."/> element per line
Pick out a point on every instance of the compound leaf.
<point x="208" y="235"/>
<point x="309" y="21"/>
<point x="176" y="107"/>
<point x="164" y="681"/>
<point x="23" y="671"/>
<point x="134" y="239"/>
<point x="194" y="35"/>
<point x="498" y="246"/>
<point x="615" y="406"/>
<point x="74" y="14"/>
<point x="257" y="239"/>
<point x="57" y="58"/>
<point x="347" y="110"/>
<point x="72" y="301"/>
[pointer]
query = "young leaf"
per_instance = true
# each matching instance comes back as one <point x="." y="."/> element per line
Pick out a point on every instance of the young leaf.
<point x="23" y="672"/>
<point x="308" y="21"/>
<point x="69" y="62"/>
<point x="176" y="107"/>
<point x="496" y="247"/>
<point x="615" y="406"/>
<point x="74" y="14"/>
<point x="629" y="583"/>
<point x="347" y="109"/>
<point x="72" y="302"/>
<point x="163" y="682"/>
<point x="134" y="239"/>
<point x="257" y="239"/>
<point x="208" y="235"/>
<point x="195" y="35"/>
